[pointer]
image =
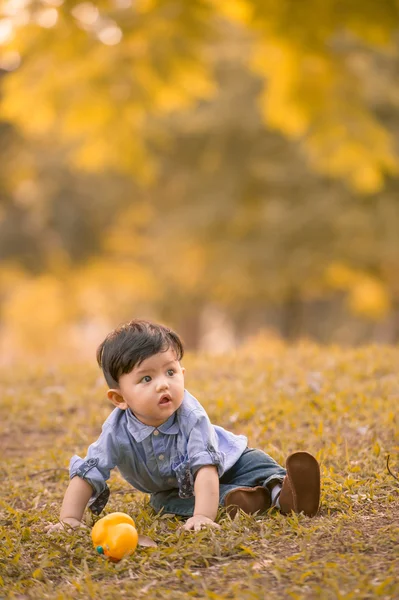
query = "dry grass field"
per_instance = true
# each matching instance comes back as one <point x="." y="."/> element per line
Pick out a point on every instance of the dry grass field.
<point x="340" y="404"/>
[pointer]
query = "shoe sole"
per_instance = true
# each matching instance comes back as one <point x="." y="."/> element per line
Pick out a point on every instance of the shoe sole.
<point x="304" y="475"/>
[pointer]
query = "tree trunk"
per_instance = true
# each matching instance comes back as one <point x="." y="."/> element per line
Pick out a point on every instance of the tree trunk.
<point x="292" y="316"/>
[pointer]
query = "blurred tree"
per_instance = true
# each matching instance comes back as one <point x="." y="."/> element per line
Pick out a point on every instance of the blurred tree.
<point x="237" y="218"/>
<point x="93" y="74"/>
<point x="96" y="72"/>
<point x="172" y="155"/>
<point x="313" y="56"/>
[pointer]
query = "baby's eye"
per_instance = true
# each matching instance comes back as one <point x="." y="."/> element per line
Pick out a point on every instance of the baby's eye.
<point x="146" y="378"/>
<point x="170" y="372"/>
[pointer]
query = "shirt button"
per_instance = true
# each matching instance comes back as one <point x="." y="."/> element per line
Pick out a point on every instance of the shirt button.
<point x="156" y="432"/>
<point x="161" y="457"/>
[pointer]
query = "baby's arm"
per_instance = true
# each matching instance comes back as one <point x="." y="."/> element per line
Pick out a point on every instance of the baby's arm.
<point x="75" y="501"/>
<point x="206" y="488"/>
<point x="88" y="478"/>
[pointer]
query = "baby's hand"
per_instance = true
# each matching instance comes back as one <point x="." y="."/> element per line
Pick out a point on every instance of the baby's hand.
<point x="64" y="525"/>
<point x="199" y="522"/>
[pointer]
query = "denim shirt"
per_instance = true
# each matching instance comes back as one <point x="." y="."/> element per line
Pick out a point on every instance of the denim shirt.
<point x="154" y="459"/>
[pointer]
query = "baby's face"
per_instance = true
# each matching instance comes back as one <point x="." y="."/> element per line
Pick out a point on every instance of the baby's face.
<point x="154" y="389"/>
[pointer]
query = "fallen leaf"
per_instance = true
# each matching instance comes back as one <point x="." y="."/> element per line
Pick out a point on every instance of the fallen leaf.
<point x="146" y="541"/>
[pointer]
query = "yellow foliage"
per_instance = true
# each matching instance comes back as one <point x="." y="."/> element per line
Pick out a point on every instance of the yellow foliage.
<point x="35" y="312"/>
<point x="188" y="86"/>
<point x="10" y="276"/>
<point x="38" y="574"/>
<point x="132" y="242"/>
<point x="340" y="276"/>
<point x="145" y="6"/>
<point x="376" y="449"/>
<point x="82" y="92"/>
<point x="240" y="11"/>
<point x="279" y="63"/>
<point x="305" y="96"/>
<point x="113" y="290"/>
<point x="92" y="155"/>
<point x="369" y="298"/>
<point x="362" y="158"/>
<point x="13" y="107"/>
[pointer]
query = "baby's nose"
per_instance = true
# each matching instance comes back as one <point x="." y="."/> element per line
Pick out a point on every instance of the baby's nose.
<point x="162" y="384"/>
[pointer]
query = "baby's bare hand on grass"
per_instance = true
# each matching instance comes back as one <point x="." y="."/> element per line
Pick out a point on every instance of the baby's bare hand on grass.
<point x="65" y="525"/>
<point x="198" y="522"/>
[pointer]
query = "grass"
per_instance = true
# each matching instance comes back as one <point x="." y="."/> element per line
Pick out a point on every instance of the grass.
<point x="342" y="405"/>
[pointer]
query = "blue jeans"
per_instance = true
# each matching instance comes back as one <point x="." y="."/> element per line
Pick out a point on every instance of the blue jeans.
<point x="253" y="468"/>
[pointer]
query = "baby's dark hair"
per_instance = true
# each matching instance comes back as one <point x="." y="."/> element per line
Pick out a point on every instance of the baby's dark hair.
<point x="130" y="344"/>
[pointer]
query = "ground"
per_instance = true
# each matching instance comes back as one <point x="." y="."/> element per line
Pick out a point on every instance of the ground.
<point x="340" y="404"/>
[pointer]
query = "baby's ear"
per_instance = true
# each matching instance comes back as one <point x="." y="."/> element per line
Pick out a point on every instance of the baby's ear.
<point x="117" y="399"/>
<point x="183" y="370"/>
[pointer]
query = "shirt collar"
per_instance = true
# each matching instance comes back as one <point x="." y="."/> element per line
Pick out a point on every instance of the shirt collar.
<point x="140" y="431"/>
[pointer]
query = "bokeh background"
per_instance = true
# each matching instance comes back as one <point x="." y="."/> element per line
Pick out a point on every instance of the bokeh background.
<point x="228" y="168"/>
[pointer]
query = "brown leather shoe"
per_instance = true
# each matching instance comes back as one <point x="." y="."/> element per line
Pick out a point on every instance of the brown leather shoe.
<point x="250" y="500"/>
<point x="300" y="491"/>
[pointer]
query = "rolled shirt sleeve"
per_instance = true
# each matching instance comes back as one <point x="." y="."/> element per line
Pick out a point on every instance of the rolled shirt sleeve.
<point x="202" y="450"/>
<point x="95" y="468"/>
<point x="203" y="446"/>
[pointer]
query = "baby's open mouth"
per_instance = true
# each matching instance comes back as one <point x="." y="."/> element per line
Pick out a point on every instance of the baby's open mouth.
<point x="165" y="400"/>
